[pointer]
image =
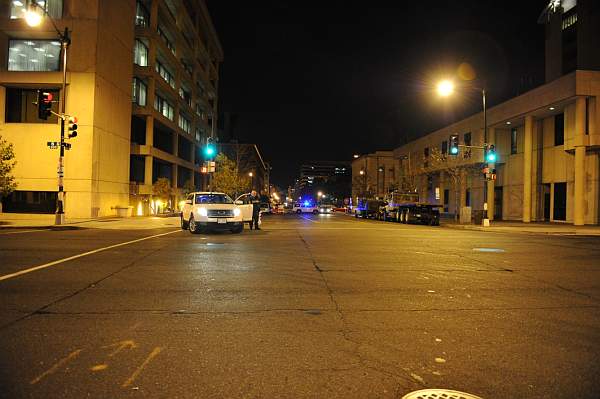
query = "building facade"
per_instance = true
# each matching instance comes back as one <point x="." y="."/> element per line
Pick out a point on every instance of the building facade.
<point x="547" y="140"/>
<point x="374" y="175"/>
<point x="142" y="78"/>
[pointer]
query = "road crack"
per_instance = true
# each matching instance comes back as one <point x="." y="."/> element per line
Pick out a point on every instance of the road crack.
<point x="345" y="331"/>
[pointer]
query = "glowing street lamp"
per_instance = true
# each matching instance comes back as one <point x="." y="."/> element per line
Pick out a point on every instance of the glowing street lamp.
<point x="445" y="88"/>
<point x="32" y="15"/>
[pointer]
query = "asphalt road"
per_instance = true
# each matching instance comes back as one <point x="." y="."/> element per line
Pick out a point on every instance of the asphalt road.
<point x="309" y="307"/>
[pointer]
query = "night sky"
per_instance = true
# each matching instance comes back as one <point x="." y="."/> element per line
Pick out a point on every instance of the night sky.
<point x="326" y="79"/>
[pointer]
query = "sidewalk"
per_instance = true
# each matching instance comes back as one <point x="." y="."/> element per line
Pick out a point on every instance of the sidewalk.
<point x="528" y="228"/>
<point x="35" y="221"/>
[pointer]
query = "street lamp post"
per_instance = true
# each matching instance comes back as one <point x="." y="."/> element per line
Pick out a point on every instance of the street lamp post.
<point x="446" y="88"/>
<point x="33" y="19"/>
<point x="251" y="180"/>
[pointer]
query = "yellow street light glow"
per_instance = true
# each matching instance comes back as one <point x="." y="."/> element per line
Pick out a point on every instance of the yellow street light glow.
<point x="250" y="174"/>
<point x="445" y="88"/>
<point x="32" y="16"/>
<point x="320" y="194"/>
<point x="362" y="172"/>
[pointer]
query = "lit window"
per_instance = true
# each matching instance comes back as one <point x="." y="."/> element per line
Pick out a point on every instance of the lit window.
<point x="162" y="106"/>
<point x="165" y="74"/>
<point x="33" y="55"/>
<point x="52" y="7"/>
<point x="186" y="96"/>
<point x="140" y="53"/>
<point x="139" y="92"/>
<point x="569" y="21"/>
<point x="141" y="15"/>
<point x="185" y="124"/>
<point x="166" y="39"/>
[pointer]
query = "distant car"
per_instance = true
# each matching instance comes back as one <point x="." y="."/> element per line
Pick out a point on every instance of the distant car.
<point x="208" y="210"/>
<point x="305" y="207"/>
<point x="326" y="209"/>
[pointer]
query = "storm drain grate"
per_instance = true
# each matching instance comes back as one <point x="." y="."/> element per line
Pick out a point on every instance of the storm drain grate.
<point x="439" y="394"/>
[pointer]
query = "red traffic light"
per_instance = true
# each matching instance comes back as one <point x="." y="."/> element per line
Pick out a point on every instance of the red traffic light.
<point x="47" y="97"/>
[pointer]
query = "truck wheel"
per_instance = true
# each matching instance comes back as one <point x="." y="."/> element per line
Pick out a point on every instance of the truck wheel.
<point x="407" y="216"/>
<point x="184" y="224"/>
<point x="193" y="227"/>
<point x="315" y="212"/>
<point x="238" y="229"/>
<point x="298" y="211"/>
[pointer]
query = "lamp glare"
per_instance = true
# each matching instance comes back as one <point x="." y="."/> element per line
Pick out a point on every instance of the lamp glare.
<point x="445" y="88"/>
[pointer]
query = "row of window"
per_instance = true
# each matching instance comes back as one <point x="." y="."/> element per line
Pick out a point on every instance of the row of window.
<point x="165" y="73"/>
<point x="33" y="55"/>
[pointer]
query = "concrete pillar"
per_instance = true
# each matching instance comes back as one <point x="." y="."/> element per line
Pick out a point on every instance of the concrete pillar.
<point x="527" y="160"/>
<point x="580" y="175"/>
<point x="150" y="131"/>
<point x="463" y="189"/>
<point x="491" y="183"/>
<point x="148" y="160"/>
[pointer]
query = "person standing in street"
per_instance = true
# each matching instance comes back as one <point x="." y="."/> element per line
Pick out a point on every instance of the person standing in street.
<point x="255" y="201"/>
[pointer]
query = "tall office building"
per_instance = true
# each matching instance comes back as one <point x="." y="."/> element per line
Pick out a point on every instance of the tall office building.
<point x="142" y="79"/>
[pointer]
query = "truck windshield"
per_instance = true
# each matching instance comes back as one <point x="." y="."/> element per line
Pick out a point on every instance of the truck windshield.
<point x="213" y="199"/>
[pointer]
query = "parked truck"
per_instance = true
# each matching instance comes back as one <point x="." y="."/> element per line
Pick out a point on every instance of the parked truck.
<point x="368" y="208"/>
<point x="406" y="208"/>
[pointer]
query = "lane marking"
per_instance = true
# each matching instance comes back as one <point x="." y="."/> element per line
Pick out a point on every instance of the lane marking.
<point x="21" y="232"/>
<point x="56" y="262"/>
<point x="56" y="366"/>
<point x="137" y="372"/>
<point x="310" y="220"/>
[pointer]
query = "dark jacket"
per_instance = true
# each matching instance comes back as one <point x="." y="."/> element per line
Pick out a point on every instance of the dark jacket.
<point x="255" y="201"/>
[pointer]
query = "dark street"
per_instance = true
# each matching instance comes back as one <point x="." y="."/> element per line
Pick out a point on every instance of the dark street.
<point x="309" y="307"/>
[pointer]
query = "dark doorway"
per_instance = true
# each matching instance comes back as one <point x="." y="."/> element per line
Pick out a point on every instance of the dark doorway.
<point x="546" y="191"/>
<point x="498" y="203"/>
<point x="560" y="201"/>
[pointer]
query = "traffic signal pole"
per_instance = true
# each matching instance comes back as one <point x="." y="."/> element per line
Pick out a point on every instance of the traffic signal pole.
<point x="59" y="218"/>
<point x="486" y="220"/>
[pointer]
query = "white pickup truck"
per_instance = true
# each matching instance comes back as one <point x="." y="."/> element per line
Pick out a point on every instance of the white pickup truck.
<point x="210" y="210"/>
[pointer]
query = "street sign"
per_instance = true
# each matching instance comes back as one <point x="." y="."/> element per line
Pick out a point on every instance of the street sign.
<point x="53" y="144"/>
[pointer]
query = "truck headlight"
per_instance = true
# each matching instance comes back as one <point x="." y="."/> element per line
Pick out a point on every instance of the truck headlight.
<point x="236" y="212"/>
<point x="202" y="211"/>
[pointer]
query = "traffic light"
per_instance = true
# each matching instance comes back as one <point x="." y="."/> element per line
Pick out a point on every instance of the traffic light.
<point x="72" y="127"/>
<point x="453" y="150"/>
<point x="210" y="149"/>
<point x="44" y="104"/>
<point x="490" y="154"/>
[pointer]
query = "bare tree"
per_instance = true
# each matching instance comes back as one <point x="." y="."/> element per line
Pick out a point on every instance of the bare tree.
<point x="457" y="170"/>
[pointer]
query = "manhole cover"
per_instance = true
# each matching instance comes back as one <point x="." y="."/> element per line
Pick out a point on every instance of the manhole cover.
<point x="439" y="394"/>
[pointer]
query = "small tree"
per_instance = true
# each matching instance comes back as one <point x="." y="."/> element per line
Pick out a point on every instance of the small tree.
<point x="188" y="187"/>
<point x="227" y="177"/>
<point x="162" y="189"/>
<point x="455" y="168"/>
<point x="7" y="164"/>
